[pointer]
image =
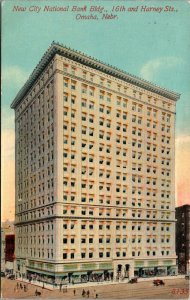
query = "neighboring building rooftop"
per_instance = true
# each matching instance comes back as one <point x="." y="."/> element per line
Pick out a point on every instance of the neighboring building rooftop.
<point x="183" y="206"/>
<point x="79" y="57"/>
<point x="7" y="227"/>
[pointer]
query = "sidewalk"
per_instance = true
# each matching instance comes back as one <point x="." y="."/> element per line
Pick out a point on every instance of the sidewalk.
<point x="173" y="289"/>
<point x="46" y="286"/>
<point x="50" y="287"/>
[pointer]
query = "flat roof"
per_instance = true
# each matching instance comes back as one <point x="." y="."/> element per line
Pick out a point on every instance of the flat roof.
<point x="56" y="48"/>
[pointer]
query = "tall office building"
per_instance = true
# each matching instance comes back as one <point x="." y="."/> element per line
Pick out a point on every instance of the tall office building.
<point x="95" y="186"/>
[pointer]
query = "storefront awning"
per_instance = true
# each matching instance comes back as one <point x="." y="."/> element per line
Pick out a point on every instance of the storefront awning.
<point x="162" y="268"/>
<point x="171" y="267"/>
<point x="79" y="273"/>
<point x="40" y="272"/>
<point x="108" y="271"/>
<point x="98" y="272"/>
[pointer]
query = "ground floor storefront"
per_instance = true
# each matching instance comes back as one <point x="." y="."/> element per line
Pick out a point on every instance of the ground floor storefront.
<point x="75" y="273"/>
<point x="71" y="277"/>
<point x="157" y="267"/>
<point x="155" y="271"/>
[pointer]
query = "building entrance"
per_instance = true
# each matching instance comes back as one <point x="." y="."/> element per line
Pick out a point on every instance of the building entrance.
<point x="123" y="269"/>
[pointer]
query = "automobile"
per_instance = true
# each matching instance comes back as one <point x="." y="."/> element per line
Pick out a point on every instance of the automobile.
<point x="2" y="274"/>
<point x="158" y="282"/>
<point x="11" y="276"/>
<point x="133" y="280"/>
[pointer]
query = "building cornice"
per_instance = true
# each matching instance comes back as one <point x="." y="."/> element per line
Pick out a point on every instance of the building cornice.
<point x="93" y="219"/>
<point x="79" y="57"/>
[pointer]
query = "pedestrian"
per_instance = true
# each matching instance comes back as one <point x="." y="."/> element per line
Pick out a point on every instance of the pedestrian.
<point x="96" y="295"/>
<point x="88" y="293"/>
<point x="21" y="286"/>
<point x="83" y="293"/>
<point x="60" y="286"/>
<point x="17" y="285"/>
<point x="74" y="292"/>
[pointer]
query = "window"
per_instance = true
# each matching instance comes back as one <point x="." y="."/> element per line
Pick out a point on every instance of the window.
<point x="91" y="105"/>
<point x="65" y="82"/>
<point x="72" y="99"/>
<point x="73" y="85"/>
<point x="84" y="89"/>
<point x="91" y="92"/>
<point x="101" y="95"/>
<point x="84" y="74"/>
<point x="83" y="103"/>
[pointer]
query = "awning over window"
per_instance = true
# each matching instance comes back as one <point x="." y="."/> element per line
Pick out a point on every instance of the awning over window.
<point x="98" y="272"/>
<point x="162" y="268"/>
<point x="148" y="269"/>
<point x="77" y="274"/>
<point x="41" y="272"/>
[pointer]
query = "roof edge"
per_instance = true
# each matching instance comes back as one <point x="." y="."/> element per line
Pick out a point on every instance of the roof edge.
<point x="56" y="48"/>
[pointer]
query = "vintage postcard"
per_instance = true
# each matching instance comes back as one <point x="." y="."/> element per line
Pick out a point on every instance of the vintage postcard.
<point x="95" y="149"/>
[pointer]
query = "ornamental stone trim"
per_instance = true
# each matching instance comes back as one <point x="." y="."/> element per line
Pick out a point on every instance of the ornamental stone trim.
<point x="79" y="57"/>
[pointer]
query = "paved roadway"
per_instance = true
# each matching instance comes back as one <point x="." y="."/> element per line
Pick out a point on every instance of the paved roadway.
<point x="174" y="289"/>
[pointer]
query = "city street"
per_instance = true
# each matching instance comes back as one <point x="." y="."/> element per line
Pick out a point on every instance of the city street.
<point x="175" y="288"/>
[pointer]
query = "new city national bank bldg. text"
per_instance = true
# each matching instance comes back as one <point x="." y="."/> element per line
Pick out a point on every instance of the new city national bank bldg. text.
<point x="95" y="186"/>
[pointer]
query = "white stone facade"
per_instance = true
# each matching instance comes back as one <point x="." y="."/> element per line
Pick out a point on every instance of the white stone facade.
<point x="95" y="176"/>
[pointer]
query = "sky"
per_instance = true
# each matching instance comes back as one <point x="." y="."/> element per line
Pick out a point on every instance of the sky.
<point x="152" y="45"/>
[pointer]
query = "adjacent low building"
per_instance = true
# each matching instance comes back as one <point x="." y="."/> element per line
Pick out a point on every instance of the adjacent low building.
<point x="7" y="247"/>
<point x="95" y="182"/>
<point x="183" y="238"/>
